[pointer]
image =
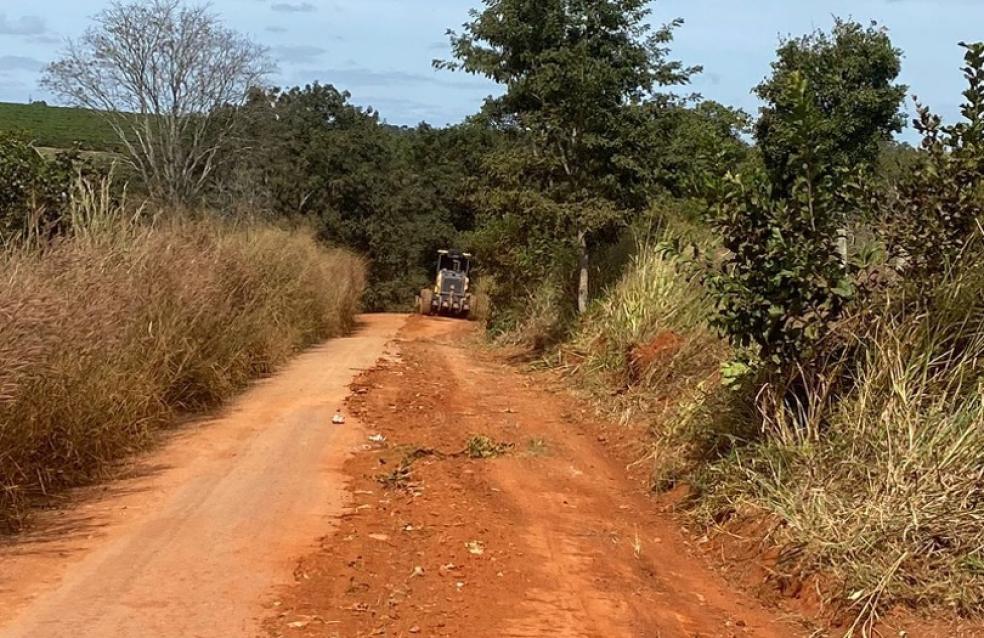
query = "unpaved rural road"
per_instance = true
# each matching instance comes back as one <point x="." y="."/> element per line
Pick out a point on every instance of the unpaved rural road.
<point x="271" y="521"/>
<point x="193" y="544"/>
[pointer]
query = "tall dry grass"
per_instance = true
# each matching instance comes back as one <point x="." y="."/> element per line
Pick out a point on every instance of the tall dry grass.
<point x="107" y="335"/>
<point x="649" y="340"/>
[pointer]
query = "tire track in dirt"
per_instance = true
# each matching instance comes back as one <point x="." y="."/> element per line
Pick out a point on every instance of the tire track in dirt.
<point x="551" y="539"/>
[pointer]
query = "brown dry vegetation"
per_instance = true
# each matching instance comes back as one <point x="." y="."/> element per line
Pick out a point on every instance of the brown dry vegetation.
<point x="108" y="335"/>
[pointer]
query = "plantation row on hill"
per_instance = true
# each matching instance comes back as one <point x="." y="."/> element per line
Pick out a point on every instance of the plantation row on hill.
<point x="58" y="127"/>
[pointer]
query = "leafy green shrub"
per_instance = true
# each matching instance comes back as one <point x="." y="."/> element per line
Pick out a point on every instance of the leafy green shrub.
<point x="940" y="202"/>
<point x="783" y="282"/>
<point x="885" y="498"/>
<point x="34" y="190"/>
<point x="786" y="279"/>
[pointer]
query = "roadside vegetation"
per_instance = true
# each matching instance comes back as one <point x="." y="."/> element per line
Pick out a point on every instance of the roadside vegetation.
<point x="805" y="350"/>
<point x="790" y="302"/>
<point x="123" y="325"/>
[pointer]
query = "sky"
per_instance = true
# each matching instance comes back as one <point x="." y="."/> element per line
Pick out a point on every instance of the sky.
<point x="381" y="50"/>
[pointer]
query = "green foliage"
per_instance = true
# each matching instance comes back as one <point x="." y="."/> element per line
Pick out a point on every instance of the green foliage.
<point x="695" y="145"/>
<point x="861" y="436"/>
<point x="896" y="160"/>
<point x="396" y="195"/>
<point x="34" y="190"/>
<point x="940" y="202"/>
<point x="783" y="283"/>
<point x="58" y="127"/>
<point x="578" y="77"/>
<point x="882" y="494"/>
<point x="854" y="106"/>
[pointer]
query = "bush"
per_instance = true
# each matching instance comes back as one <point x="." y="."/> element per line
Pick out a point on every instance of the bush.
<point x="783" y="283"/>
<point x="884" y="495"/>
<point x="940" y="201"/>
<point x="108" y="334"/>
<point x="34" y="190"/>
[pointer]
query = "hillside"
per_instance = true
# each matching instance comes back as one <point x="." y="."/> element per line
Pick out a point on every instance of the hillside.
<point x="56" y="126"/>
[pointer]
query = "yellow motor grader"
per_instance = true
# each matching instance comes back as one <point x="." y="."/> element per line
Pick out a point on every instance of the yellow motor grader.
<point x="450" y="296"/>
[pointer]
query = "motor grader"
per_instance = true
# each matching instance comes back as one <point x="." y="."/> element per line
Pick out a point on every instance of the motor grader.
<point x="451" y="295"/>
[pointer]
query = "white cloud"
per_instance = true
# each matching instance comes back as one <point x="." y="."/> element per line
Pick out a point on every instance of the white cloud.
<point x="26" y="25"/>
<point x="289" y="7"/>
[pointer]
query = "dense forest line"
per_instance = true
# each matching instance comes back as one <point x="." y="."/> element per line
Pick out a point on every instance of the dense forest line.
<point x="791" y="299"/>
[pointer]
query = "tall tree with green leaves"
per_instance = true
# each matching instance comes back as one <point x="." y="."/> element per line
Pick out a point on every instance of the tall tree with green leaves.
<point x="394" y="194"/>
<point x="850" y="77"/>
<point x="577" y="74"/>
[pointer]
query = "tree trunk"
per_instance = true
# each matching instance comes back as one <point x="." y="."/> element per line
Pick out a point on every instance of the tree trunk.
<point x="842" y="250"/>
<point x="582" y="290"/>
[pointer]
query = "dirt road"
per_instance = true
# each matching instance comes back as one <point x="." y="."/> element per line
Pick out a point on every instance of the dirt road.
<point x="191" y="545"/>
<point x="551" y="536"/>
<point x="426" y="529"/>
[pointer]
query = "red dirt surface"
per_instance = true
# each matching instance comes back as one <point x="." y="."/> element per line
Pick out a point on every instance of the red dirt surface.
<point x="552" y="538"/>
<point x="644" y="357"/>
<point x="191" y="544"/>
<point x="544" y="527"/>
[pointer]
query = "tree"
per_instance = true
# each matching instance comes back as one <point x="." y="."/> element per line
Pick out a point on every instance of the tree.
<point x="697" y="144"/>
<point x="577" y="75"/>
<point x="163" y="74"/>
<point x="782" y="285"/>
<point x="394" y="194"/>
<point x="939" y="203"/>
<point x="850" y="76"/>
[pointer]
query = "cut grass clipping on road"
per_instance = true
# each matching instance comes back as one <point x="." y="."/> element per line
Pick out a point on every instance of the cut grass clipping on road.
<point x="106" y="336"/>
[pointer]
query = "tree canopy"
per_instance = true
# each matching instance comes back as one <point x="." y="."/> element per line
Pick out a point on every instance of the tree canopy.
<point x="578" y="76"/>
<point x="850" y="76"/>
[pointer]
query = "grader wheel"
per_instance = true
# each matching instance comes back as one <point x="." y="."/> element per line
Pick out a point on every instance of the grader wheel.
<point x="426" y="299"/>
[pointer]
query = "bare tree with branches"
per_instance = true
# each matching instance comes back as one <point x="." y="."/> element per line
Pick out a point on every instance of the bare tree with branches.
<point x="168" y="77"/>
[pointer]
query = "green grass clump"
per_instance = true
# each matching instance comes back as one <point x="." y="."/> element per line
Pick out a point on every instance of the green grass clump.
<point x="655" y="296"/>
<point x="108" y="334"/>
<point x="649" y="340"/>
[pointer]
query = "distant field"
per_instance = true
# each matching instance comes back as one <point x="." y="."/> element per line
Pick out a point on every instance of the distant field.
<point x="57" y="127"/>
